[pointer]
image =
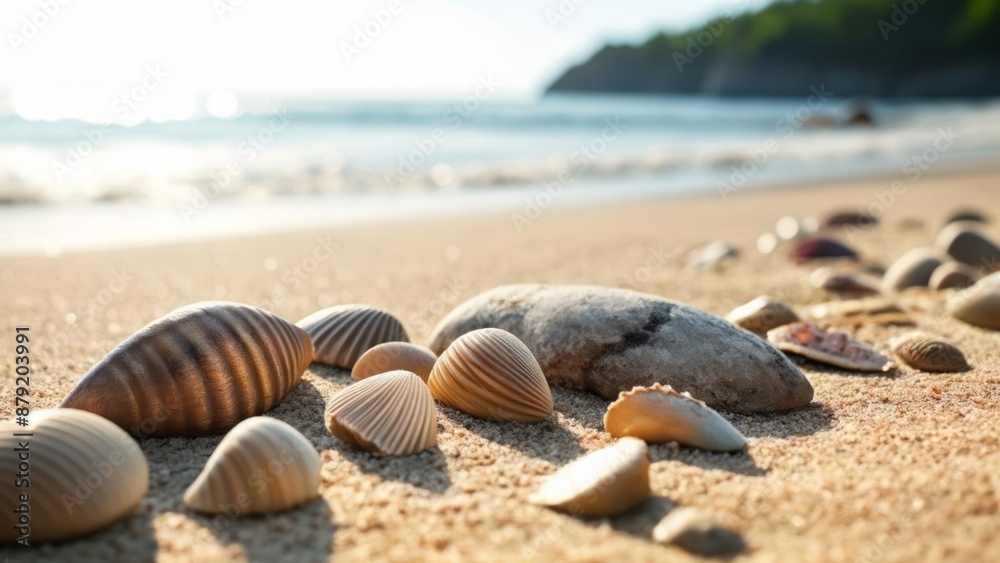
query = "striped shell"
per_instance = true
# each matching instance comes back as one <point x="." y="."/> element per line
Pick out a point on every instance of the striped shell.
<point x="343" y="333"/>
<point x="660" y="414"/>
<point x="391" y="356"/>
<point x="491" y="374"/>
<point x="761" y="315"/>
<point x="262" y="465"/>
<point x="199" y="370"/>
<point x="978" y="305"/>
<point x="389" y="414"/>
<point x="928" y="354"/>
<point x="85" y="474"/>
<point x="602" y="483"/>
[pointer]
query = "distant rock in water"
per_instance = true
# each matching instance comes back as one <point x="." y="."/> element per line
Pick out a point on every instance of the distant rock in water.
<point x="610" y="340"/>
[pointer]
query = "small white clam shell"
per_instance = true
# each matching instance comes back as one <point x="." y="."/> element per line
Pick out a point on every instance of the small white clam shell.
<point x="978" y="305"/>
<point x="762" y="314"/>
<point x="262" y="465"/>
<point x="343" y="333"/>
<point x="602" y="483"/>
<point x="834" y="348"/>
<point x="491" y="374"/>
<point x="85" y="473"/>
<point x="660" y="414"/>
<point x="390" y="414"/>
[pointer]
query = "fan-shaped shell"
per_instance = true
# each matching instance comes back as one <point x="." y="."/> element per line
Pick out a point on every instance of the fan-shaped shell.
<point x="491" y="374"/>
<point x="929" y="354"/>
<point x="199" y="370"/>
<point x="599" y="484"/>
<point x="762" y="314"/>
<point x="834" y="348"/>
<point x="262" y="465"/>
<point x="84" y="475"/>
<point x="343" y="333"/>
<point x="391" y="356"/>
<point x="389" y="414"/>
<point x="660" y="414"/>
<point x="978" y="305"/>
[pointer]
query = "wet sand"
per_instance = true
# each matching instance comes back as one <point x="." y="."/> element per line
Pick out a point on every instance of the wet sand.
<point x="899" y="467"/>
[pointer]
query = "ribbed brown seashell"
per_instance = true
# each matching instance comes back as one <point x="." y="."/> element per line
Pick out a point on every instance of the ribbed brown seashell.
<point x="928" y="354"/>
<point x="198" y="370"/>
<point x="964" y="242"/>
<point x="660" y="414"/>
<point x="85" y="474"/>
<point x="821" y="248"/>
<point x="392" y="356"/>
<point x="343" y="333"/>
<point x="389" y="414"/>
<point x="599" y="484"/>
<point x="491" y="374"/>
<point x="761" y="315"/>
<point x="978" y="305"/>
<point x="952" y="275"/>
<point x="262" y="465"/>
<point x="834" y="348"/>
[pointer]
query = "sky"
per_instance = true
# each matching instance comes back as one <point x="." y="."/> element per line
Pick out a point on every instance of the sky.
<point x="96" y="59"/>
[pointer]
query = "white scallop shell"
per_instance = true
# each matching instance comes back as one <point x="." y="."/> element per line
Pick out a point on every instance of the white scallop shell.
<point x="85" y="473"/>
<point x="262" y="465"/>
<point x="389" y="414"/>
<point x="602" y="483"/>
<point x="491" y="374"/>
<point x="660" y="414"/>
<point x="343" y="333"/>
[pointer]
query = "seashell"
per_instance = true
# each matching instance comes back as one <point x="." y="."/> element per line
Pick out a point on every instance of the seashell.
<point x="849" y="218"/>
<point x="855" y="307"/>
<point x="912" y="269"/>
<point x="712" y="256"/>
<point x="391" y="356"/>
<point x="599" y="484"/>
<point x="964" y="242"/>
<point x="953" y="275"/>
<point x="660" y="414"/>
<point x="491" y="374"/>
<point x="761" y="315"/>
<point x="343" y="333"/>
<point x="85" y="475"/>
<point x="609" y="340"/>
<point x="698" y="532"/>
<point x="854" y="283"/>
<point x="262" y="465"/>
<point x="834" y="348"/>
<point x="966" y="215"/>
<point x="199" y="370"/>
<point x="928" y="354"/>
<point x="821" y="248"/>
<point x="978" y="305"/>
<point x="389" y="414"/>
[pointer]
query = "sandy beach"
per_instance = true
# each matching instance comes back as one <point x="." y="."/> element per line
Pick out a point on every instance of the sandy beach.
<point x="879" y="468"/>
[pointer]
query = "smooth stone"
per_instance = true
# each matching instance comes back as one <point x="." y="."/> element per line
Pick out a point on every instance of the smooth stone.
<point x="912" y="269"/>
<point x="963" y="242"/>
<point x="978" y="305"/>
<point x="853" y="283"/>
<point x="610" y="340"/>
<point x="967" y="215"/>
<point x="953" y="275"/>
<point x="698" y="532"/>
<point x="820" y="248"/>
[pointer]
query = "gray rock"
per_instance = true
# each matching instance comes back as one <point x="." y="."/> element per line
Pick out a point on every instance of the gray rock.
<point x="964" y="242"/>
<point x="913" y="269"/>
<point x="610" y="340"/>
<point x="698" y="532"/>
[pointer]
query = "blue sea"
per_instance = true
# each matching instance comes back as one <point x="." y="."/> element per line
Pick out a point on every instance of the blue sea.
<point x="298" y="164"/>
